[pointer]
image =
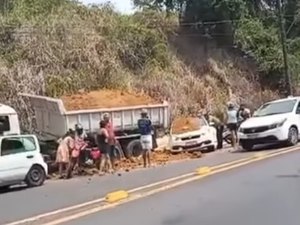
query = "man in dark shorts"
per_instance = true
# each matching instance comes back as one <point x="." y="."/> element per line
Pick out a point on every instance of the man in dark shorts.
<point x="232" y="123"/>
<point x="145" y="128"/>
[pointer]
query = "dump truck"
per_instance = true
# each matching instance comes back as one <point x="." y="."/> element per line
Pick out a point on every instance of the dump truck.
<point x="53" y="121"/>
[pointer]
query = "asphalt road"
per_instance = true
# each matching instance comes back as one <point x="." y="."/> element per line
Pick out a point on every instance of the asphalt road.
<point x="23" y="203"/>
<point x="265" y="192"/>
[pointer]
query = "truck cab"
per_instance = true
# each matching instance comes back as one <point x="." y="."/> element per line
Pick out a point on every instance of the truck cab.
<point x="9" y="121"/>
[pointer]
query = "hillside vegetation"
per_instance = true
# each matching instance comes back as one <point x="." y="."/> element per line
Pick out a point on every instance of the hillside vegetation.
<point x="251" y="25"/>
<point x="57" y="47"/>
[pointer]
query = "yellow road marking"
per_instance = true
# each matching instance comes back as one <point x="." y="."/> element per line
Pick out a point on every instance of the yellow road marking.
<point x="74" y="207"/>
<point x="203" y="170"/>
<point x="116" y="196"/>
<point x="164" y="188"/>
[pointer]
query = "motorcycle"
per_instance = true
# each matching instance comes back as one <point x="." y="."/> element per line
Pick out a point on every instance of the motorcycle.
<point x="227" y="136"/>
<point x="227" y="133"/>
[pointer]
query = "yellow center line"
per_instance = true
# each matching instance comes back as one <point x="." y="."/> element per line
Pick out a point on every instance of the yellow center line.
<point x="164" y="188"/>
<point x="99" y="200"/>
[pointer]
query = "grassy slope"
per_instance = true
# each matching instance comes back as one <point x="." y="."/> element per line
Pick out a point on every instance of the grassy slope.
<point x="69" y="47"/>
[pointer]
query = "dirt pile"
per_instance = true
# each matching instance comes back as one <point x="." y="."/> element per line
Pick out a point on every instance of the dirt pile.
<point x="105" y="99"/>
<point x="185" y="124"/>
<point x="159" y="158"/>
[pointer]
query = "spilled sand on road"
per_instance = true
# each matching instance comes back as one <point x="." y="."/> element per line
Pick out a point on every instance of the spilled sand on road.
<point x="160" y="157"/>
<point x="106" y="99"/>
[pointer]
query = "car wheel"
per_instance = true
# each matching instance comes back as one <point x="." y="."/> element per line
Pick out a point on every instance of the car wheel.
<point x="36" y="176"/>
<point x="4" y="188"/>
<point x="293" y="136"/>
<point x="247" y="146"/>
<point x="211" y="148"/>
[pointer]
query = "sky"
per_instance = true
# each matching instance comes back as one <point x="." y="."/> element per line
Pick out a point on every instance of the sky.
<point x="124" y="6"/>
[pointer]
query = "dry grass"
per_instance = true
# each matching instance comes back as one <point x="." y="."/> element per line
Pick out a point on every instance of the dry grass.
<point x="71" y="47"/>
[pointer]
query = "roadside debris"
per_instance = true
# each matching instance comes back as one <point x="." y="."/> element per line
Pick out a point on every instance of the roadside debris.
<point x="160" y="157"/>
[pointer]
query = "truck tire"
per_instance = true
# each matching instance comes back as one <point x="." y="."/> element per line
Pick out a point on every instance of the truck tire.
<point x="36" y="176"/>
<point x="292" y="136"/>
<point x="134" y="148"/>
<point x="118" y="152"/>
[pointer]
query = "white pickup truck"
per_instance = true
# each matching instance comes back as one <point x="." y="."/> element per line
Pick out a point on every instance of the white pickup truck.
<point x="20" y="155"/>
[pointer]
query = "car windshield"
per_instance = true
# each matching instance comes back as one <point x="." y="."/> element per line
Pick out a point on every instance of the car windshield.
<point x="187" y="124"/>
<point x="273" y="108"/>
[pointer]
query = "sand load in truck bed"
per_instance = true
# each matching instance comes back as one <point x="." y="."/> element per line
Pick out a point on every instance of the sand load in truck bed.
<point x="105" y="99"/>
<point x="185" y="124"/>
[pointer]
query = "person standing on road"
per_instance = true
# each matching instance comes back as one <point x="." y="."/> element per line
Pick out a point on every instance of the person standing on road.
<point x="105" y="147"/>
<point x="66" y="145"/>
<point x="79" y="145"/>
<point x="111" y="139"/>
<point x="145" y="129"/>
<point x="232" y="123"/>
<point x="219" y="127"/>
<point x="243" y="113"/>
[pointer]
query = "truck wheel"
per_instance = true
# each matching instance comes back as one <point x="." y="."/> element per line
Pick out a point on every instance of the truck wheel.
<point x="292" y="136"/>
<point x="247" y="146"/>
<point x="118" y="152"/>
<point x="134" y="148"/>
<point x="36" y="176"/>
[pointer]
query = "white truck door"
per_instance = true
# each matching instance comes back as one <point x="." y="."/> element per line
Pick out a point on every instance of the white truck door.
<point x="18" y="153"/>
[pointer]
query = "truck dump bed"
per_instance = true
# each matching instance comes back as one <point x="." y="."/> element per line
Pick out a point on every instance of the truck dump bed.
<point x="53" y="119"/>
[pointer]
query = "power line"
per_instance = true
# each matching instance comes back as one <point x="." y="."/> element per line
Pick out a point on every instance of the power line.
<point x="284" y="50"/>
<point x="215" y="22"/>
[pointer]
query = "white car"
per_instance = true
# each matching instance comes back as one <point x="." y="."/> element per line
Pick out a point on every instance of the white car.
<point x="200" y="139"/>
<point x="276" y="121"/>
<point x="21" y="161"/>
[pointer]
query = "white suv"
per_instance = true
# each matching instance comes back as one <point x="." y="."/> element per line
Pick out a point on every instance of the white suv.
<point x="276" y="121"/>
<point x="21" y="161"/>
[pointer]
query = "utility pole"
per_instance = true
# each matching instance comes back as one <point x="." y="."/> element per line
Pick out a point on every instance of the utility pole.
<point x="288" y="80"/>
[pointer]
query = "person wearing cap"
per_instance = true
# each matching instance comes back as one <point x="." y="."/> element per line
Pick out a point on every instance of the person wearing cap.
<point x="145" y="129"/>
<point x="232" y="122"/>
<point x="111" y="138"/>
<point x="77" y="151"/>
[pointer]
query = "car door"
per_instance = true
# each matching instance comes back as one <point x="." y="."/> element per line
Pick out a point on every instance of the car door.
<point x="18" y="153"/>
<point x="298" y="116"/>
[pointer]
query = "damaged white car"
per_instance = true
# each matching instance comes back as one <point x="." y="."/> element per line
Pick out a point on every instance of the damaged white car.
<point x="192" y="134"/>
